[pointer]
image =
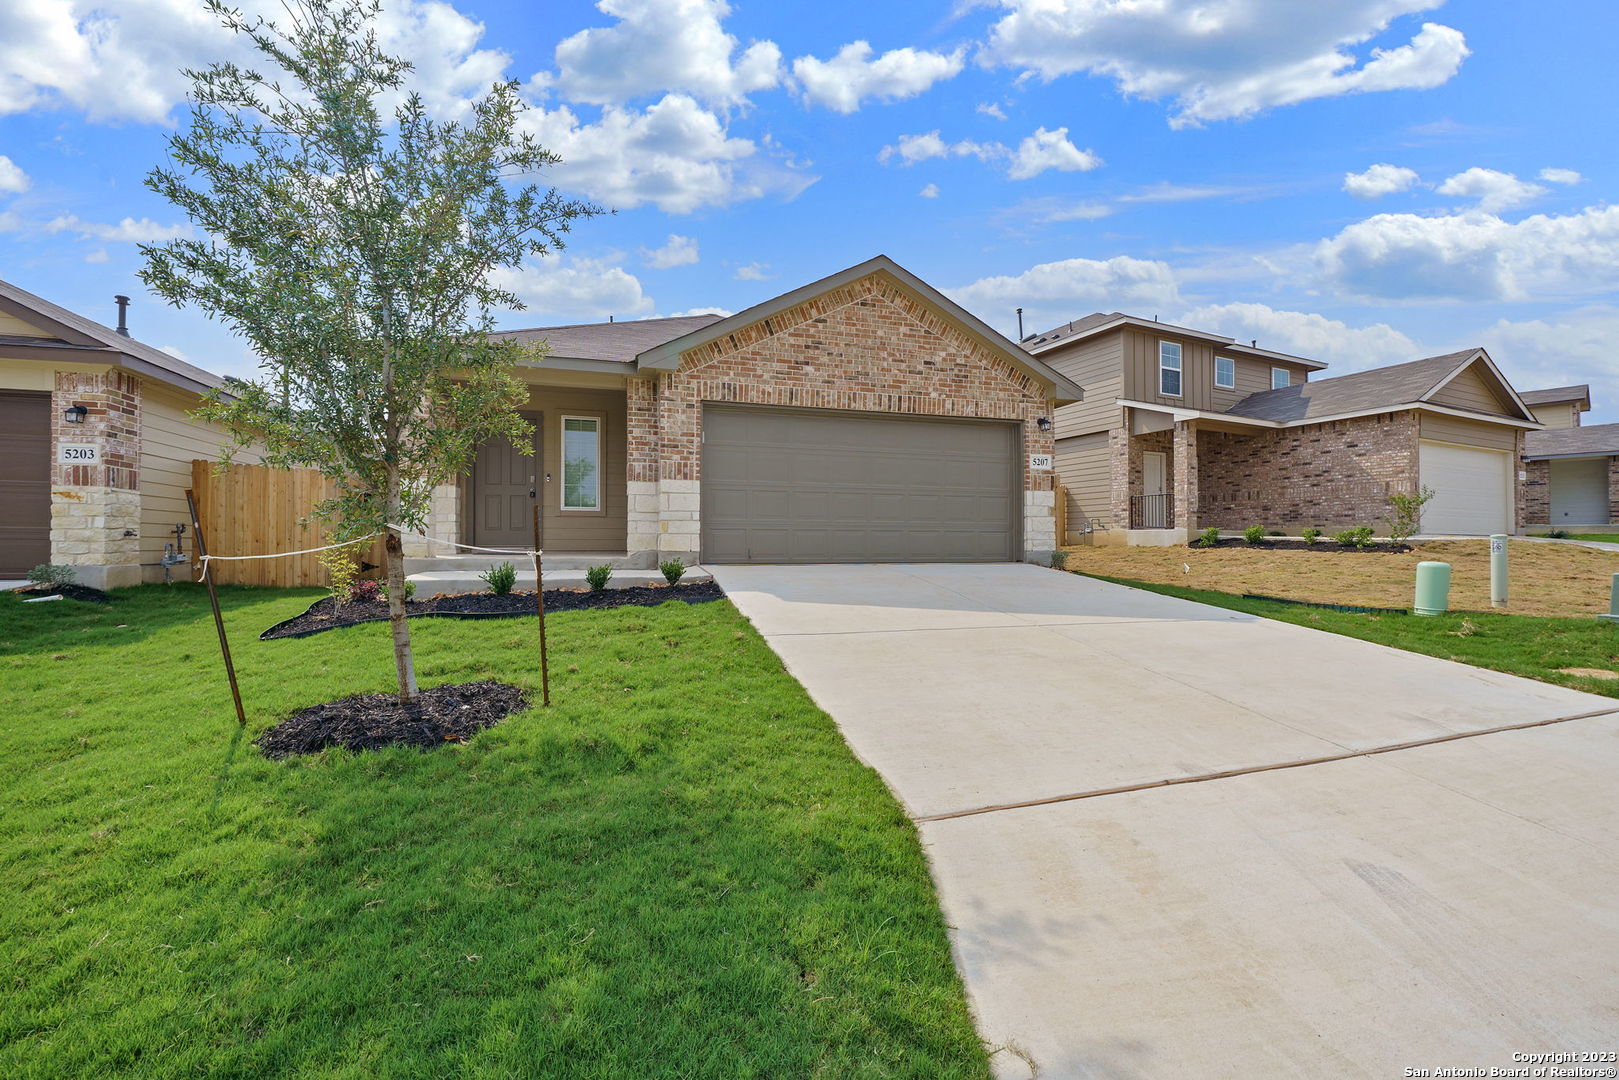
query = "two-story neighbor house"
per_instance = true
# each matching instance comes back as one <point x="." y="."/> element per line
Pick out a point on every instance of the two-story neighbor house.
<point x="1571" y="472"/>
<point x="1181" y="429"/>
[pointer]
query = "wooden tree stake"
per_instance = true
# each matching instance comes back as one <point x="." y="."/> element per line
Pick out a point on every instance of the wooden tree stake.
<point x="213" y="598"/>
<point x="539" y="608"/>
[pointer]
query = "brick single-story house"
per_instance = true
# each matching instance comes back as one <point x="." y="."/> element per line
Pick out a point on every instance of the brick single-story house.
<point x="861" y="418"/>
<point x="1571" y="472"/>
<point x="1181" y="430"/>
<point x="95" y="444"/>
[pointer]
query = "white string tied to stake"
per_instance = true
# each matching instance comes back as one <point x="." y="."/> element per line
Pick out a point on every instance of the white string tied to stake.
<point x="206" y="559"/>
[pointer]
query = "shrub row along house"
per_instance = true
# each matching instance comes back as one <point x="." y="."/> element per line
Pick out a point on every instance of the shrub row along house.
<point x="861" y="418"/>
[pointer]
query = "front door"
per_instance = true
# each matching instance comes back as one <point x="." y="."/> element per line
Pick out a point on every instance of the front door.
<point x="1154" y="512"/>
<point x="504" y="486"/>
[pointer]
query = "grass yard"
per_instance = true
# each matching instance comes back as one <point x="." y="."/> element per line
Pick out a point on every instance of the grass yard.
<point x="1545" y="579"/>
<point x="1599" y="538"/>
<point x="1580" y="653"/>
<point x="678" y="870"/>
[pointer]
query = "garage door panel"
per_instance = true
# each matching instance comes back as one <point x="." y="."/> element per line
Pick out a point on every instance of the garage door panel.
<point x="784" y="485"/>
<point x="1472" y="489"/>
<point x="1579" y="491"/>
<point x="25" y="479"/>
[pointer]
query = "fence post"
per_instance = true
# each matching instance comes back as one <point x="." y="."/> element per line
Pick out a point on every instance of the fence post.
<point x="213" y="599"/>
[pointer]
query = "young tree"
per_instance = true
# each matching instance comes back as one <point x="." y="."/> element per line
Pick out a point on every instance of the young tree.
<point x="351" y="240"/>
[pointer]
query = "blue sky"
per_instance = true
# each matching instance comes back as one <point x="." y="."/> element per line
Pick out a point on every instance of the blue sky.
<point x="1365" y="181"/>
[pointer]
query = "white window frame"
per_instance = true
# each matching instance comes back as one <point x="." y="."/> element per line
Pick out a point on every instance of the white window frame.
<point x="1284" y="373"/>
<point x="1218" y="385"/>
<point x="562" y="452"/>
<point x="1179" y="369"/>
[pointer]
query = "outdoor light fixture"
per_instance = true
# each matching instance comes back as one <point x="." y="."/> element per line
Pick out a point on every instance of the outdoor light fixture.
<point x="74" y="414"/>
<point x="1044" y="423"/>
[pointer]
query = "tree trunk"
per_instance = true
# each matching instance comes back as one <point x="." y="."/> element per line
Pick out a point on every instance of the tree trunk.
<point x="404" y="662"/>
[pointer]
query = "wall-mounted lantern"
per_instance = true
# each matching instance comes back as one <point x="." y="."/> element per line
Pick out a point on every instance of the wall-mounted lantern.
<point x="75" y="414"/>
<point x="1043" y="423"/>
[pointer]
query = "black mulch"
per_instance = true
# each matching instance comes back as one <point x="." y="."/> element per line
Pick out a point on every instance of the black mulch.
<point x="321" y="615"/>
<point x="68" y="592"/>
<point x="1381" y="547"/>
<point x="451" y="713"/>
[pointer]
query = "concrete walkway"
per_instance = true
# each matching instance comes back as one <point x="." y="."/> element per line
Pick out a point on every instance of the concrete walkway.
<point x="1448" y="904"/>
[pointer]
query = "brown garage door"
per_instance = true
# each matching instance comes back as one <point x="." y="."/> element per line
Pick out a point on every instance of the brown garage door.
<point x="784" y="485"/>
<point x="25" y="481"/>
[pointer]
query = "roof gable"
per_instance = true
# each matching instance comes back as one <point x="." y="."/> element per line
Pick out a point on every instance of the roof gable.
<point x="617" y="342"/>
<point x="1408" y="385"/>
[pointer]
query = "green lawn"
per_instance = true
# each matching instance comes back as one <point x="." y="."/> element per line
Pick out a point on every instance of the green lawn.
<point x="1532" y="646"/>
<point x="678" y="870"/>
<point x="1600" y="538"/>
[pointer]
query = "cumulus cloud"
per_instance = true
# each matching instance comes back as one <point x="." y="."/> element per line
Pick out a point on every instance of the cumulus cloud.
<point x="559" y="290"/>
<point x="1564" y="349"/>
<point x="127" y="231"/>
<point x="1474" y="256"/>
<point x="12" y="179"/>
<point x="721" y="312"/>
<point x="1560" y="176"/>
<point x="99" y="255"/>
<point x="1050" y="150"/>
<point x="1379" y="180"/>
<point x="1225" y="61"/>
<point x="1347" y="348"/>
<point x="1495" y="191"/>
<point x="852" y="76"/>
<point x="931" y="191"/>
<point x="754" y="271"/>
<point x="991" y="109"/>
<point x="910" y="149"/>
<point x="676" y="155"/>
<point x="1058" y="291"/>
<point x="658" y="46"/>
<point x="678" y="251"/>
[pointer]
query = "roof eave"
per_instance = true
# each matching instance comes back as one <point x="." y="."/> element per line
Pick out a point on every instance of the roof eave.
<point x="1476" y="356"/>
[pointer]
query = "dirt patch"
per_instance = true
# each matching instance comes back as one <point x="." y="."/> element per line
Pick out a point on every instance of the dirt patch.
<point x="323" y="615"/>
<point x="450" y="713"/>
<point x="1545" y="579"/>
<point x="1590" y="672"/>
<point x="67" y="592"/>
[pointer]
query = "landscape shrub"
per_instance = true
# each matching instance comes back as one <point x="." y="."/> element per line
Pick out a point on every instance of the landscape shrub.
<point x="1405" y="517"/>
<point x="500" y="579"/>
<point x="363" y="592"/>
<point x="54" y="575"/>
<point x="1209" y="537"/>
<point x="1358" y="537"/>
<point x="410" y="590"/>
<point x="1254" y="534"/>
<point x="1557" y="534"/>
<point x="673" y="570"/>
<point x="342" y="566"/>
<point x="597" y="577"/>
<point x="1311" y="535"/>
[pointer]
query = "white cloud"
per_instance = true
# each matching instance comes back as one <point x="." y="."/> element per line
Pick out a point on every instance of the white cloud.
<point x="1050" y="150"/>
<point x="753" y="272"/>
<point x="658" y="46"/>
<point x="1474" y="256"/>
<point x="1057" y="291"/>
<point x="721" y="312"/>
<point x="559" y="290"/>
<point x="852" y="76"/>
<point x="1165" y="192"/>
<point x="1495" y="191"/>
<point x="990" y="108"/>
<point x="99" y="255"/>
<point x="1346" y="348"/>
<point x="675" y="155"/>
<point x="678" y="251"/>
<point x="931" y="191"/>
<point x="1228" y="60"/>
<point x="127" y="231"/>
<point x="1568" y="348"/>
<point x="12" y="179"/>
<point x="174" y="351"/>
<point x="1380" y="180"/>
<point x="1560" y="176"/>
<point x="910" y="149"/>
<point x="124" y="62"/>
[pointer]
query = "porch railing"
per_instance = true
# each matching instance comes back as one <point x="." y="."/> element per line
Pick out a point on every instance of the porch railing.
<point x="1150" y="511"/>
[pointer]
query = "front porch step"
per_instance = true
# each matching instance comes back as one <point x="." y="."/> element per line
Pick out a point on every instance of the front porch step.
<point x="477" y="562"/>
<point x="465" y="581"/>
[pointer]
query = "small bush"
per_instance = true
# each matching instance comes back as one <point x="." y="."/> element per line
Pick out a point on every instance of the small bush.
<point x="363" y="592"/>
<point x="1209" y="537"/>
<point x="54" y="575"/>
<point x="597" y="577"/>
<point x="673" y="570"/>
<point x="1557" y="534"/>
<point x="500" y="579"/>
<point x="1405" y="515"/>
<point x="342" y="566"/>
<point x="1359" y="537"/>
<point x="1254" y="534"/>
<point x="1059" y="560"/>
<point x="1311" y="535"/>
<point x="410" y="590"/>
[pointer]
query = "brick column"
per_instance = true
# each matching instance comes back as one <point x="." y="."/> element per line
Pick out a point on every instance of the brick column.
<point x="1184" y="470"/>
<point x="680" y="438"/>
<point x="1040" y="537"/>
<point x="641" y="468"/>
<point x="1119" y="477"/>
<point x="96" y="506"/>
<point x="1534" y="494"/>
<point x="1613" y="491"/>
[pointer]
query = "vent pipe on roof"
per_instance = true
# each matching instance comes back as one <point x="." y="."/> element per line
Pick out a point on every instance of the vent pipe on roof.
<point x="609" y="318"/>
<point x="1020" y="324"/>
<point x="123" y="314"/>
<point x="1253" y="343"/>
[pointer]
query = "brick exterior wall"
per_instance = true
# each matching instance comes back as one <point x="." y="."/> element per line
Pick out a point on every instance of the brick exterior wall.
<point x="867" y="346"/>
<point x="1613" y="490"/>
<point x="1333" y="475"/>
<point x="93" y="506"/>
<point x="1184" y="476"/>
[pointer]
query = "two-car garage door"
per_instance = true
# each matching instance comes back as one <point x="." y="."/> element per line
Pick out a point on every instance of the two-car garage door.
<point x="800" y="486"/>
<point x="1472" y="489"/>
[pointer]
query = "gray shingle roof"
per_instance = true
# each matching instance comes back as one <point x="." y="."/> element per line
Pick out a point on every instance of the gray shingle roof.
<point x="1070" y="329"/>
<point x="1397" y="384"/>
<point x="1594" y="441"/>
<point x="1554" y="394"/>
<point x="620" y="342"/>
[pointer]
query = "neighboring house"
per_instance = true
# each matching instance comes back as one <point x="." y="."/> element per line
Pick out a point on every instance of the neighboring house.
<point x="1181" y="430"/>
<point x="1571" y="473"/>
<point x="95" y="444"/>
<point x="861" y="418"/>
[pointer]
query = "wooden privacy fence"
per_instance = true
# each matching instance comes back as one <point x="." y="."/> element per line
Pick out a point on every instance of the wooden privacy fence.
<point x="257" y="510"/>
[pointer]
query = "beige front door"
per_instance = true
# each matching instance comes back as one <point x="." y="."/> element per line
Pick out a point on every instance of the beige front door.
<point x="1154" y="472"/>
<point x="504" y="486"/>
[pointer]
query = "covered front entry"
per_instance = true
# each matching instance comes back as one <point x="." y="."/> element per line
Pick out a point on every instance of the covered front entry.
<point x="1472" y="489"/>
<point x="25" y="482"/>
<point x="505" y="484"/>
<point x="815" y="486"/>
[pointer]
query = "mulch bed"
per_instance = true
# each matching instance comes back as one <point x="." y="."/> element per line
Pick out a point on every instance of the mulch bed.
<point x="67" y="592"/>
<point x="451" y="713"/>
<point x="322" y="615"/>
<point x="1381" y="547"/>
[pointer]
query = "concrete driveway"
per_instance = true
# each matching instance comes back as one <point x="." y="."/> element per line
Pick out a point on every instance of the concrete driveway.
<point x="1446" y="904"/>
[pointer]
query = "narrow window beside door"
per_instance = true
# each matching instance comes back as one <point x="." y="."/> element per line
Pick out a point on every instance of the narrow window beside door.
<point x="581" y="463"/>
<point x="1225" y="373"/>
<point x="1169" y="369"/>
